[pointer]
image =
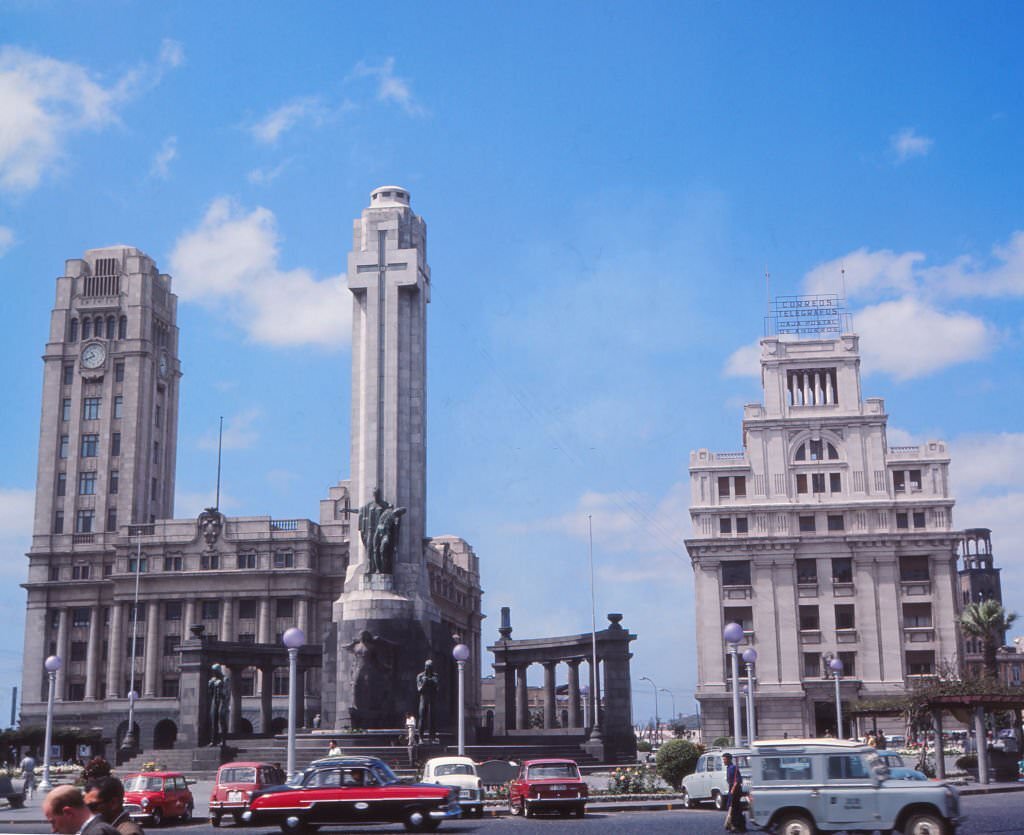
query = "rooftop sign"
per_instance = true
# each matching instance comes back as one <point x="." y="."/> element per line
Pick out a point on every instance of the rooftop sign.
<point x="819" y="315"/>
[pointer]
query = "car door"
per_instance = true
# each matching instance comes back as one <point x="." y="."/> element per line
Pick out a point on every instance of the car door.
<point x="850" y="795"/>
<point x="715" y="775"/>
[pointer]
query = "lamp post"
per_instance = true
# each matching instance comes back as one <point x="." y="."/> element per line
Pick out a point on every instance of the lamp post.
<point x="461" y="655"/>
<point x="595" y="731"/>
<point x="585" y="694"/>
<point x="51" y="665"/>
<point x="130" y="743"/>
<point x="836" y="666"/>
<point x="672" y="696"/>
<point x="293" y="639"/>
<point x="733" y="634"/>
<point x="657" y="722"/>
<point x="749" y="657"/>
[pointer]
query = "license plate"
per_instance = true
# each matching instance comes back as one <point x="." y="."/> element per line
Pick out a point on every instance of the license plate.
<point x="558" y="787"/>
<point x="234" y="797"/>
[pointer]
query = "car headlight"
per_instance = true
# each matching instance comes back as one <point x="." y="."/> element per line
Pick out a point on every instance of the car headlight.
<point x="145" y="802"/>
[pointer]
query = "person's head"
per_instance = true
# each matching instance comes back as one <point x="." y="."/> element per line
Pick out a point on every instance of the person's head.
<point x="65" y="809"/>
<point x="727" y="758"/>
<point x="105" y="796"/>
<point x="428" y="664"/>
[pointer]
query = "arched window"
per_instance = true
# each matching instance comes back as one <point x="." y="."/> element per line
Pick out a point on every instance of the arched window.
<point x="110" y="327"/>
<point x="801" y="452"/>
<point x="86" y="327"/>
<point x="122" y="328"/>
<point x="73" y="335"/>
<point x="833" y="454"/>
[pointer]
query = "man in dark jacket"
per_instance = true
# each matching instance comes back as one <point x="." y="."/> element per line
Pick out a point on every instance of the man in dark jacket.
<point x="735" y="820"/>
<point x="65" y="810"/>
<point x="105" y="796"/>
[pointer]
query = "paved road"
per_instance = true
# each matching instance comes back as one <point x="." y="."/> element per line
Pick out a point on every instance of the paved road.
<point x="997" y="814"/>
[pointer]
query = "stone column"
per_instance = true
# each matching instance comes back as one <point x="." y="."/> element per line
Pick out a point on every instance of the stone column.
<point x="62" y="651"/>
<point x="522" y="699"/>
<point x="574" y="694"/>
<point x="982" y="746"/>
<point x="504" y="685"/>
<point x="115" y="651"/>
<point x="266" y="680"/>
<point x="152" y="659"/>
<point x="263" y="637"/>
<point x="227" y="620"/>
<point x="92" y="653"/>
<point x="549" y="694"/>
<point x="190" y="616"/>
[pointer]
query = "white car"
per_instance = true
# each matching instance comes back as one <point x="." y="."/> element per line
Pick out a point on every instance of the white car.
<point x="459" y="773"/>
<point x="707" y="783"/>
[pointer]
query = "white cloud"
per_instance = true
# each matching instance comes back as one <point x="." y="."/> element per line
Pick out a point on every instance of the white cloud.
<point x="895" y="436"/>
<point x="46" y="102"/>
<point x="907" y="144"/>
<point x="162" y="161"/>
<point x="390" y="88"/>
<point x="269" y="129"/>
<point x="17" y="509"/>
<point x="907" y="338"/>
<point x="229" y="263"/>
<point x="866" y="273"/>
<point x="6" y="239"/>
<point x="172" y="53"/>
<point x="744" y="362"/>
<point x="966" y="276"/>
<point x="265" y="176"/>
<point x="239" y="432"/>
<point x="982" y="462"/>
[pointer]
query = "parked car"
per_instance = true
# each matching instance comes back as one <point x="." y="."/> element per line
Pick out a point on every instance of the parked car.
<point x="341" y="791"/>
<point x="802" y="786"/>
<point x="898" y="769"/>
<point x="460" y="773"/>
<point x="707" y="784"/>
<point x="235" y="784"/>
<point x="548" y="785"/>
<point x="156" y="796"/>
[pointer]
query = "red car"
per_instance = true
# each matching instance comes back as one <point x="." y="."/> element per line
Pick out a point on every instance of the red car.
<point x="548" y="785"/>
<point x="340" y="791"/>
<point x="156" y="796"/>
<point x="234" y="787"/>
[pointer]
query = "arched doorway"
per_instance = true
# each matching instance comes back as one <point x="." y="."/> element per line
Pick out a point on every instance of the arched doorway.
<point x="278" y="725"/>
<point x="244" y="727"/>
<point x="164" y="734"/>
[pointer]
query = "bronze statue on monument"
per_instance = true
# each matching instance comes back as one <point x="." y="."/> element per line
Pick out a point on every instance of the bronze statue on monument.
<point x="379" y="522"/>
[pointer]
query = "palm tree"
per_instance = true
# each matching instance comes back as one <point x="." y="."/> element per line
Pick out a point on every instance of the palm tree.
<point x="989" y="621"/>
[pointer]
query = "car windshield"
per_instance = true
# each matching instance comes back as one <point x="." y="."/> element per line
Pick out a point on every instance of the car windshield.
<point x="553" y="771"/>
<point x="142" y="783"/>
<point x="454" y="768"/>
<point x="237" y="775"/>
<point x="879" y="766"/>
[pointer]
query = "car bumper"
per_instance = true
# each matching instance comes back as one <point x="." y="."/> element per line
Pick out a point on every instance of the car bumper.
<point x="556" y="801"/>
<point x="452" y="810"/>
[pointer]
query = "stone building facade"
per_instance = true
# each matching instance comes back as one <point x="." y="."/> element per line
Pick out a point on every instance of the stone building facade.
<point x="104" y="533"/>
<point x="822" y="541"/>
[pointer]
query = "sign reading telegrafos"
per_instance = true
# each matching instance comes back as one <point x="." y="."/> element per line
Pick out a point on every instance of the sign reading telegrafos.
<point x="807" y="315"/>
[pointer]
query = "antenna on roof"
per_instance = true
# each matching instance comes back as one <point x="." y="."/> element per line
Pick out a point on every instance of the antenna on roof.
<point x="220" y="443"/>
<point x="842" y="279"/>
<point x="767" y="302"/>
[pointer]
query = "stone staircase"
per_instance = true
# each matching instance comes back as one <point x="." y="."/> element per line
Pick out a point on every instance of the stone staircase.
<point x="198" y="762"/>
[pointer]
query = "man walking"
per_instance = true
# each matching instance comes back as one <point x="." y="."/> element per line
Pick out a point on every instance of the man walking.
<point x="105" y="796"/>
<point x="735" y="820"/>
<point x="28" y="771"/>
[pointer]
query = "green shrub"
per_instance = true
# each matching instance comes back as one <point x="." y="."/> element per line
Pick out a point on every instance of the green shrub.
<point x="631" y="780"/>
<point x="643" y="745"/>
<point x="676" y="758"/>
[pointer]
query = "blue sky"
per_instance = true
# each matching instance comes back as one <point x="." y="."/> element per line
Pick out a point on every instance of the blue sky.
<point x="604" y="185"/>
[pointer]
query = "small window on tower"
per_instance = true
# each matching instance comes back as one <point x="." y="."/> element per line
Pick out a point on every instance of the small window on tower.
<point x="73" y="332"/>
<point x="740" y="486"/>
<point x="65" y="409"/>
<point x="69" y="374"/>
<point x="801" y="483"/>
<point x="833" y="453"/>
<point x="115" y="444"/>
<point x="122" y="328"/>
<point x="725" y="525"/>
<point x="119" y="371"/>
<point x="723" y="486"/>
<point x="86" y="327"/>
<point x="62" y="484"/>
<point x="899" y="481"/>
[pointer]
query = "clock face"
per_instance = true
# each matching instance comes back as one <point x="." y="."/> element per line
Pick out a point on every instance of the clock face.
<point x="93" y="355"/>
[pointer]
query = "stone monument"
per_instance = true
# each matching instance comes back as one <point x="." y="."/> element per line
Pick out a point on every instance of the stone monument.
<point x="385" y="622"/>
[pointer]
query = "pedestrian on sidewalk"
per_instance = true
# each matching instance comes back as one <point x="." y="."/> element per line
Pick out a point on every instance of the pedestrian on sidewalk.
<point x="28" y="771"/>
<point x="735" y="820"/>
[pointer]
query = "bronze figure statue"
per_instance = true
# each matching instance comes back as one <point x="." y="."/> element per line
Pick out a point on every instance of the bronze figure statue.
<point x="378" y="530"/>
<point x="426" y="687"/>
<point x="217" y="689"/>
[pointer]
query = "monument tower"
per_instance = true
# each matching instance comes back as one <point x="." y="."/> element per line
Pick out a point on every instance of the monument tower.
<point x="387" y="624"/>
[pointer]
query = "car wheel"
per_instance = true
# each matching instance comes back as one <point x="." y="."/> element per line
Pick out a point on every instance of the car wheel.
<point x="687" y="801"/>
<point x="293" y="825"/>
<point x="719" y="800"/>
<point x="417" y="820"/>
<point x="214" y="821"/>
<point x="515" y="808"/>
<point x="925" y="824"/>
<point x="795" y="825"/>
<point x="157" y="816"/>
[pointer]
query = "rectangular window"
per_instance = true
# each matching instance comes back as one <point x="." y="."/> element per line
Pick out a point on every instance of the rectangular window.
<point x="845" y="616"/>
<point x="280" y="681"/>
<point x="915" y="480"/>
<point x="917" y="615"/>
<point x="87" y="484"/>
<point x="172" y="610"/>
<point x="740" y="486"/>
<point x="69" y="374"/>
<point x="849" y="660"/>
<point x="902" y="522"/>
<point x="914" y="569"/>
<point x="723" y="486"/>
<point x="62" y="484"/>
<point x="118" y="406"/>
<point x="817" y="482"/>
<point x="284" y="559"/>
<point x="899" y="481"/>
<point x="807" y="524"/>
<point x="835" y="482"/>
<point x="139" y="649"/>
<point x="807" y="571"/>
<point x="170" y="642"/>
<point x="76" y="691"/>
<point x="801" y="483"/>
<point x="842" y="569"/>
<point x="63" y="447"/>
<point x="108" y="569"/>
<point x="247" y="560"/>
<point x="80" y="616"/>
<point x="91" y="408"/>
<point x="918" y="518"/>
<point x="115" y="444"/>
<point x="119" y="371"/>
<point x="84" y="520"/>
<point x="169" y="688"/>
<point x="210" y="609"/>
<point x="78" y="650"/>
<point x="247" y="609"/>
<point x="65" y="409"/>
<point x="248" y="685"/>
<point x="113" y="484"/>
<point x="158" y="420"/>
<point x="725" y="525"/>
<point x="835" y="522"/>
<point x="809" y="617"/>
<point x="816" y="450"/>
<point x="111" y="518"/>
<point x="81" y="571"/>
<point x="741" y="524"/>
<point x="736" y="573"/>
<point x="921" y="662"/>
<point x="285" y="607"/>
<point x="152" y="489"/>
<point x="90" y="446"/>
<point x="54" y="573"/>
<point x="246" y="638"/>
<point x="743" y="615"/>
<point x="209" y="562"/>
<point x="58" y="522"/>
<point x="172" y="564"/>
<point x="812" y="669"/>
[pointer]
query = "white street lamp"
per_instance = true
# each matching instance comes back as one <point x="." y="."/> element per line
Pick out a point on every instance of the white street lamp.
<point x="657" y="721"/>
<point x="749" y="658"/>
<point x="836" y="666"/>
<point x="585" y="694"/>
<point x="293" y="639"/>
<point x="733" y="634"/>
<point x="672" y="696"/>
<point x="461" y="655"/>
<point x="51" y="665"/>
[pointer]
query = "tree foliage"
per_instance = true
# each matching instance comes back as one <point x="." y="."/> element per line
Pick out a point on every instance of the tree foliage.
<point x="988" y="621"/>
<point x="676" y="758"/>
